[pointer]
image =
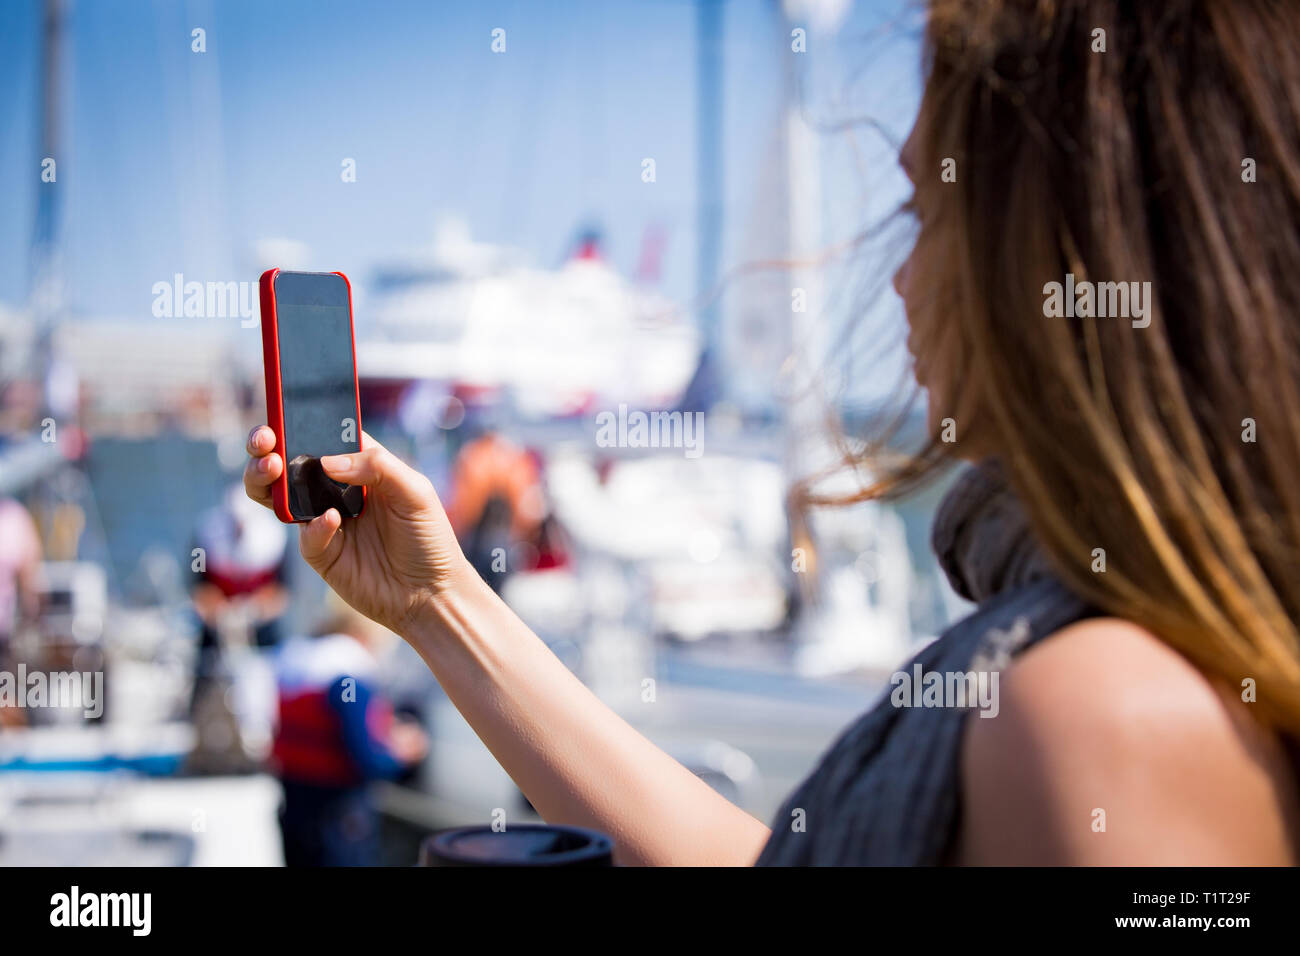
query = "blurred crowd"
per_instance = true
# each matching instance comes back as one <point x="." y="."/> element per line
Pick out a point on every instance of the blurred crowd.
<point x="312" y="682"/>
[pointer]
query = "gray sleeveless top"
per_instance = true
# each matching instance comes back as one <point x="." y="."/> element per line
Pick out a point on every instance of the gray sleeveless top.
<point x="888" y="791"/>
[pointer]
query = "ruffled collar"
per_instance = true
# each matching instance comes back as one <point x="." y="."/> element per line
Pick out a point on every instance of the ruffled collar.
<point x="982" y="537"/>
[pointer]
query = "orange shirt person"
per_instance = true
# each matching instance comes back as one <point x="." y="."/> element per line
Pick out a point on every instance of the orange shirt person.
<point x="492" y="466"/>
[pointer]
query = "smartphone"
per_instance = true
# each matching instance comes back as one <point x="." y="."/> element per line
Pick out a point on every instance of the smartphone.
<point x="312" y="400"/>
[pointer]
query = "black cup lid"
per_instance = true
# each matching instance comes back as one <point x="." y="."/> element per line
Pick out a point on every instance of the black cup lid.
<point x="529" y="844"/>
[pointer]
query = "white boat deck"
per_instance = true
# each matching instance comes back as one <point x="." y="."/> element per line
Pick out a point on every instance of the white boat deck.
<point x="55" y="818"/>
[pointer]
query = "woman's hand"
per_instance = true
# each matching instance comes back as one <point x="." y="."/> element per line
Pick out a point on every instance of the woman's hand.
<point x="391" y="562"/>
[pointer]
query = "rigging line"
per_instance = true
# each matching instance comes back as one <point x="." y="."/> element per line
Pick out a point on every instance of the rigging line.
<point x="513" y="209"/>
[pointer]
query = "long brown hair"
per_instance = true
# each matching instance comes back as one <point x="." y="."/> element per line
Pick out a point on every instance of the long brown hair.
<point x="1137" y="142"/>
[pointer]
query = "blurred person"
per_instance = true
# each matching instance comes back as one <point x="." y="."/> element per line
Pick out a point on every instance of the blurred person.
<point x="496" y="502"/>
<point x="554" y="547"/>
<point x="336" y="733"/>
<point x="1132" y="547"/>
<point x="20" y="409"/>
<point x="20" y="564"/>
<point x="245" y="566"/>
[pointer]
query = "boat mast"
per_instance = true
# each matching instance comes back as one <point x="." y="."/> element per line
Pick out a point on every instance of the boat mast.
<point x="709" y="179"/>
<point x="805" y="403"/>
<point x="46" y="289"/>
<point x="707" y="385"/>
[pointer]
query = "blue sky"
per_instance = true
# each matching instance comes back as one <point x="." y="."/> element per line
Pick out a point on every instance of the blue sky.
<point x="176" y="161"/>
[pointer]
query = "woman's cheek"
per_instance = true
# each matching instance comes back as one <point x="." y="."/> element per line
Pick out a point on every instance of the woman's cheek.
<point x="932" y="365"/>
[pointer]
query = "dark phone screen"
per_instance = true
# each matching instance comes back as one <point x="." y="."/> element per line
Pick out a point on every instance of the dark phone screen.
<point x="317" y="373"/>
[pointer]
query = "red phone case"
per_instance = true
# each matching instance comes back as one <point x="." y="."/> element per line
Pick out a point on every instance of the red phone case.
<point x="274" y="394"/>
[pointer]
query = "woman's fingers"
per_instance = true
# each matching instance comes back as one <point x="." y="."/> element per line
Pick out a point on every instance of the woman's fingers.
<point x="378" y="468"/>
<point x="373" y="466"/>
<point x="261" y="441"/>
<point x="259" y="475"/>
<point x="263" y="466"/>
<point x="321" y="540"/>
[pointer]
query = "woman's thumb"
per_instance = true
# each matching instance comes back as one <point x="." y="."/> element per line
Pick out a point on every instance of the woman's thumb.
<point x="378" y="469"/>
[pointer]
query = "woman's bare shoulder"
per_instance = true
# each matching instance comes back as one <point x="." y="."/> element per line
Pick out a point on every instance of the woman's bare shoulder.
<point x="1109" y="747"/>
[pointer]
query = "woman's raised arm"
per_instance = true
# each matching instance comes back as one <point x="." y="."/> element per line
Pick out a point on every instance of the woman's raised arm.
<point x="576" y="760"/>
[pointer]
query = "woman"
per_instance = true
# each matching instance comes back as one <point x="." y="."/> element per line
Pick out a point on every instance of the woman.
<point x="1131" y="531"/>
